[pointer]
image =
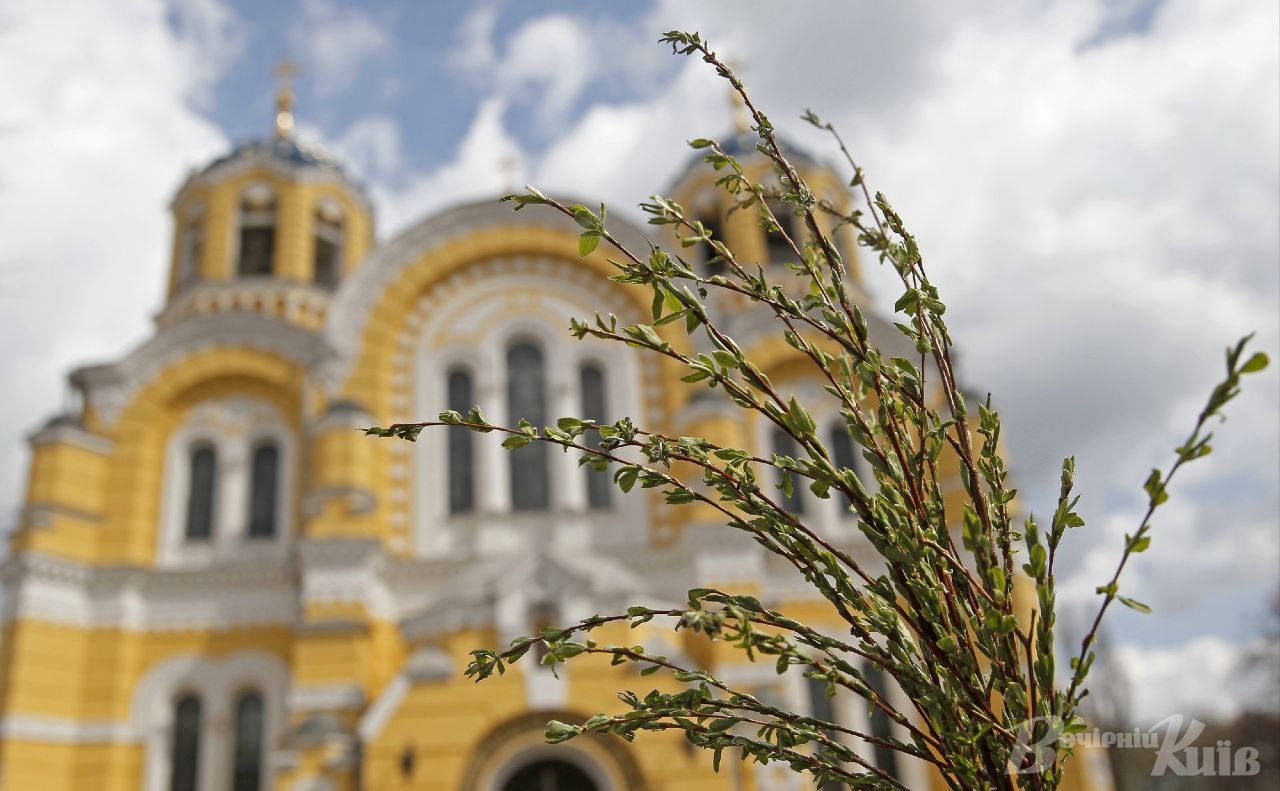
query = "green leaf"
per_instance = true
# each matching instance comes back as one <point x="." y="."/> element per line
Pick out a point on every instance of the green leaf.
<point x="1256" y="363"/>
<point x="587" y="243"/>
<point x="516" y="441"/>
<point x="557" y="732"/>
<point x="1134" y="604"/>
<point x="1139" y="544"/>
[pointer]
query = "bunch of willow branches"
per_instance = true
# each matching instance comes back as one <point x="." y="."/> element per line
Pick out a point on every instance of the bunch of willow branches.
<point x="937" y="613"/>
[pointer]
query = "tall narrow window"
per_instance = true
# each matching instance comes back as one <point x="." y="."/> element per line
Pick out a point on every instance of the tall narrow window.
<point x="714" y="222"/>
<point x="184" y="750"/>
<point x="461" y="445"/>
<point x="776" y="246"/>
<point x="880" y="725"/>
<point x="527" y="400"/>
<point x="823" y="708"/>
<point x="191" y="246"/>
<point x="257" y="232"/>
<point x="264" y="485"/>
<point x="785" y="445"/>
<point x="592" y="383"/>
<point x="246" y="771"/>
<point x="843" y="451"/>
<point x="203" y="463"/>
<point x="328" y="245"/>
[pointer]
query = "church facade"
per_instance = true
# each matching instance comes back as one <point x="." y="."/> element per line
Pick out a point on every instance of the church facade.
<point x="219" y="584"/>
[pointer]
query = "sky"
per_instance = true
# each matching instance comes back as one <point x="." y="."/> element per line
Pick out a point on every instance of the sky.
<point x="1095" y="186"/>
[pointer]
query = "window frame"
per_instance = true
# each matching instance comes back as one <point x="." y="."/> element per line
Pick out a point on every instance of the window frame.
<point x="258" y="211"/>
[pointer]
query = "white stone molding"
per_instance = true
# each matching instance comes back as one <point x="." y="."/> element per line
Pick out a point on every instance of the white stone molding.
<point x="290" y="300"/>
<point x="49" y="589"/>
<point x="326" y="697"/>
<point x="65" y="431"/>
<point x="110" y="388"/>
<point x="62" y="730"/>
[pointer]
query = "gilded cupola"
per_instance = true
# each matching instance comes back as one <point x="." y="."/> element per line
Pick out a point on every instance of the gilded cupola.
<point x="696" y="190"/>
<point x="272" y="227"/>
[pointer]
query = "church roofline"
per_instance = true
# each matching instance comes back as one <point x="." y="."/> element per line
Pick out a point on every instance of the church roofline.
<point x="303" y="162"/>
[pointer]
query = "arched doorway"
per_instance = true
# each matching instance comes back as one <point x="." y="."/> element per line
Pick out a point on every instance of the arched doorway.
<point x="550" y="775"/>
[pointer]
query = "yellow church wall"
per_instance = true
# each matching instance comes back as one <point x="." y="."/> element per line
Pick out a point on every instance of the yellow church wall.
<point x="46" y="765"/>
<point x="342" y="456"/>
<point x="66" y="475"/>
<point x="90" y="674"/>
<point x="321" y="656"/>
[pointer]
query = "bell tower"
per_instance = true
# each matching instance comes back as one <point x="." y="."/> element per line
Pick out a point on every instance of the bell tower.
<point x="272" y="227"/>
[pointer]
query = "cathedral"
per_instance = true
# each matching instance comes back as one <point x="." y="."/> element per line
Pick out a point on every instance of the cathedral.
<point x="218" y="583"/>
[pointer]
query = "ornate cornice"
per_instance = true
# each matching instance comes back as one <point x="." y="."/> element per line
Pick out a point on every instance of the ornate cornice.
<point x="109" y="388"/>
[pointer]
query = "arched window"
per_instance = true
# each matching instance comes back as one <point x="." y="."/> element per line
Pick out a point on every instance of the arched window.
<point x="257" y="231"/>
<point x="264" y="484"/>
<point x="527" y="400"/>
<point x="776" y="247"/>
<point x="246" y="771"/>
<point x="880" y="725"/>
<point x="594" y="407"/>
<point x="461" y="445"/>
<point x="328" y="245"/>
<point x="714" y="222"/>
<point x="203" y="463"/>
<point x="190" y="249"/>
<point x="184" y="751"/>
<point x="785" y="445"/>
<point x="550" y="775"/>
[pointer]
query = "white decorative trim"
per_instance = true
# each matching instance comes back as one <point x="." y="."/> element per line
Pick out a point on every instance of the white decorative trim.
<point x="54" y="590"/>
<point x="60" y="431"/>
<point x="41" y="728"/>
<point x="110" y="388"/>
<point x="289" y="300"/>
<point x="383" y="708"/>
<point x="326" y="697"/>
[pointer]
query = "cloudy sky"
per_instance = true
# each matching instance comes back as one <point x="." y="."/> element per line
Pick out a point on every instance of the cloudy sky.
<point x="1096" y="186"/>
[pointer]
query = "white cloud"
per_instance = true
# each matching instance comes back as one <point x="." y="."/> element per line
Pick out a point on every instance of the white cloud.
<point x="337" y="42"/>
<point x="97" y="133"/>
<point x="210" y="37"/>
<point x="372" y="147"/>
<point x="1201" y="678"/>
<point x="545" y="63"/>
<point x="480" y="168"/>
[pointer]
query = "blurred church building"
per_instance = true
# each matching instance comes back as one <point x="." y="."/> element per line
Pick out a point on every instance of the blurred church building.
<point x="219" y="584"/>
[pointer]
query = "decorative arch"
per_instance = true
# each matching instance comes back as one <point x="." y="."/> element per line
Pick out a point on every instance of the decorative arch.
<point x="158" y="409"/>
<point x="518" y="742"/>
<point x="473" y="321"/>
<point x="377" y="302"/>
